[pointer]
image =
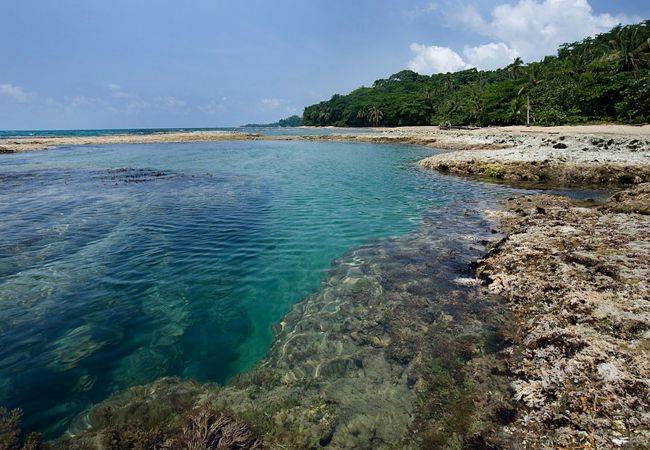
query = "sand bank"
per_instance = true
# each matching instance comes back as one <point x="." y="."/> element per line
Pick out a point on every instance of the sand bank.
<point x="12" y="145"/>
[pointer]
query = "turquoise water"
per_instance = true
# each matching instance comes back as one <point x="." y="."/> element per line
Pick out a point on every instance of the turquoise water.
<point x="123" y="263"/>
<point x="120" y="264"/>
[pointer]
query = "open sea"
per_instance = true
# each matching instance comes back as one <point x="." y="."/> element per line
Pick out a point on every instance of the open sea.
<point x="273" y="131"/>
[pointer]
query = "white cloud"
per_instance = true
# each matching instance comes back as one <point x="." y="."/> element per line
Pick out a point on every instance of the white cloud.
<point x="434" y="59"/>
<point x="84" y="101"/>
<point x="137" y="104"/>
<point x="270" y="103"/>
<point x="531" y="29"/>
<point x="13" y="91"/>
<point x="536" y="28"/>
<point x="432" y="7"/>
<point x="490" y="56"/>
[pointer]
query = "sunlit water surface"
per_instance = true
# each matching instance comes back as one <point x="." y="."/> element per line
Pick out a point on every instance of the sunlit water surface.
<point x="120" y="264"/>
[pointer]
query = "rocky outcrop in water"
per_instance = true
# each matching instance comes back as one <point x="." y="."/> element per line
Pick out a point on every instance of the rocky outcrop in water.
<point x="553" y="160"/>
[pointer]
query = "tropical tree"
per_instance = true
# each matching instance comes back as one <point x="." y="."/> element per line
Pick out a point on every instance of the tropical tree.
<point x="375" y="115"/>
<point x="630" y="48"/>
<point x="599" y="78"/>
<point x="430" y="101"/>
<point x="372" y="115"/>
<point x="516" y="68"/>
<point x="517" y="110"/>
<point x="533" y="80"/>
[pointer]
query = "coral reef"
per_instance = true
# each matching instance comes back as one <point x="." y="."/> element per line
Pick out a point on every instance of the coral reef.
<point x="577" y="279"/>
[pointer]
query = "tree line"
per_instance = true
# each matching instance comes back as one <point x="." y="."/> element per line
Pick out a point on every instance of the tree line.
<point x="605" y="78"/>
<point x="292" y="121"/>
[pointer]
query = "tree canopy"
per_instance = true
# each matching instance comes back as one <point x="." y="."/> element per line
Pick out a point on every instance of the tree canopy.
<point x="293" y="121"/>
<point x="605" y="78"/>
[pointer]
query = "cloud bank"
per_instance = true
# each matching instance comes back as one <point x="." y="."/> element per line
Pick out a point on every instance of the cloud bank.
<point x="530" y="29"/>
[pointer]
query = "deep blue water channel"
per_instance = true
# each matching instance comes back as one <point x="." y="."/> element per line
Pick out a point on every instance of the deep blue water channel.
<point x="120" y="264"/>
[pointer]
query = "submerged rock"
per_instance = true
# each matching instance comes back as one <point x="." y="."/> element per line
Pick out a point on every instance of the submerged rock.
<point x="390" y="352"/>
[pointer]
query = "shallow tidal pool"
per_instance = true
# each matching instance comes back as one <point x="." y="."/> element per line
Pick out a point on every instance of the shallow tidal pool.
<point x="120" y="264"/>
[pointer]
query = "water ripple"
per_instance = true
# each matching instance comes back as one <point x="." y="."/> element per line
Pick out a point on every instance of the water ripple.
<point x="120" y="264"/>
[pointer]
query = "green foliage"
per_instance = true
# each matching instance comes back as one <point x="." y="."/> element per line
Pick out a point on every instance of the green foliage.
<point x="493" y="171"/>
<point x="293" y="121"/>
<point x="599" y="79"/>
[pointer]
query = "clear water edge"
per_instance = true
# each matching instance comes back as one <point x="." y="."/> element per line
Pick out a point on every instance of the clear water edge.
<point x="166" y="264"/>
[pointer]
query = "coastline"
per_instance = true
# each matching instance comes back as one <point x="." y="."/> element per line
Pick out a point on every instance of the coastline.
<point x="603" y="155"/>
<point x="573" y="276"/>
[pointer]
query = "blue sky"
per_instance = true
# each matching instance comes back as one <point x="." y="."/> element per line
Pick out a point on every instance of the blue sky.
<point x="203" y="63"/>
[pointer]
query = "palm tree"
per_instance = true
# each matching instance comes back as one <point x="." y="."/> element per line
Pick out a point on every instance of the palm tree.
<point x="431" y="95"/>
<point x="452" y="105"/>
<point x="372" y="115"/>
<point x="515" y="69"/>
<point x="375" y="115"/>
<point x="324" y="117"/>
<point x="516" y="109"/>
<point x="631" y="51"/>
<point x="533" y="80"/>
<point x="474" y="104"/>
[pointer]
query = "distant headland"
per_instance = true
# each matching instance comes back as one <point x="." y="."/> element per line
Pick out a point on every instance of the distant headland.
<point x="293" y="121"/>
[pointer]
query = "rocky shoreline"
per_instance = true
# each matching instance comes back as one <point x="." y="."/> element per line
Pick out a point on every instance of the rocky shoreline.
<point x="577" y="280"/>
<point x="563" y="156"/>
<point x="546" y="348"/>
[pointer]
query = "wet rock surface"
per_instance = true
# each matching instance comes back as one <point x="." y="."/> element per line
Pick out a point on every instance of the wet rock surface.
<point x="577" y="280"/>
<point x="635" y="200"/>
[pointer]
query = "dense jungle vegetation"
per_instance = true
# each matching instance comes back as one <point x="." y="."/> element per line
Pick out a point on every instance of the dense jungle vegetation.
<point x="605" y="78"/>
